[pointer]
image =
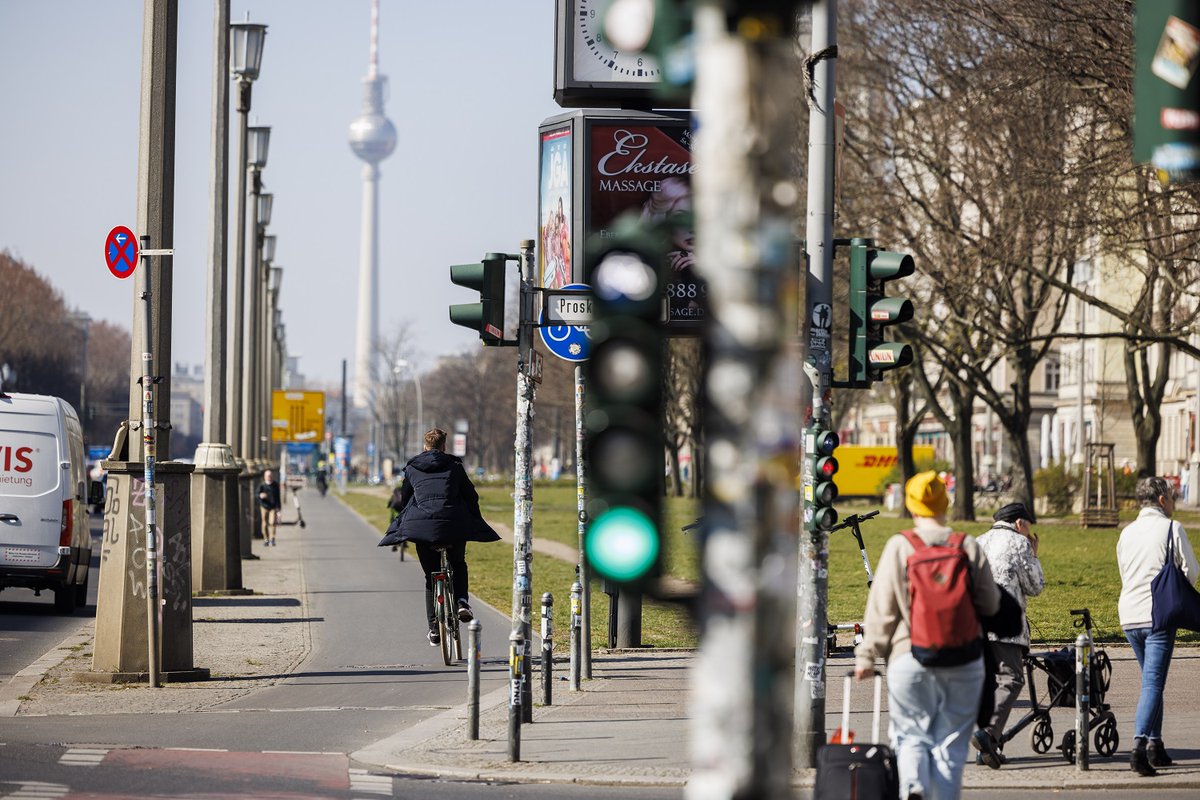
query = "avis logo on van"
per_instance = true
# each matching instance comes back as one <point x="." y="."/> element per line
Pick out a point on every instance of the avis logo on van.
<point x="16" y="459"/>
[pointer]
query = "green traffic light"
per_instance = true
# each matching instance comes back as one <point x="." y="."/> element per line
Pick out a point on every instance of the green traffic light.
<point x="622" y="544"/>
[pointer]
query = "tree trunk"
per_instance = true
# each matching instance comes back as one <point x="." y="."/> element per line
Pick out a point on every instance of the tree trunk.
<point x="964" y="455"/>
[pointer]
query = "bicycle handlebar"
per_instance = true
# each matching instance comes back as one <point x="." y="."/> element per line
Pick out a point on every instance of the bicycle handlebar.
<point x="854" y="520"/>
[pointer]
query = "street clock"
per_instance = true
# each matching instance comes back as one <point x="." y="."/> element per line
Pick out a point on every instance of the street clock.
<point x="592" y="71"/>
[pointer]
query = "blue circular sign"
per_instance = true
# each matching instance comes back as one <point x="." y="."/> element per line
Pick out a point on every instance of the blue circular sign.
<point x="568" y="342"/>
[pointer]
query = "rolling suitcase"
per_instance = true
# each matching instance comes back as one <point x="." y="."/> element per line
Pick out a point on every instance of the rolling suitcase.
<point x="857" y="771"/>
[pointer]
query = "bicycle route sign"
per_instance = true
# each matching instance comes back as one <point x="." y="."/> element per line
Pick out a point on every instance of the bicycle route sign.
<point x="121" y="251"/>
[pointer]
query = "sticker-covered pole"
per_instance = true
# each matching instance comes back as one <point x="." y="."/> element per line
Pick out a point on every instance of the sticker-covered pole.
<point x="153" y="623"/>
<point x="522" y="607"/>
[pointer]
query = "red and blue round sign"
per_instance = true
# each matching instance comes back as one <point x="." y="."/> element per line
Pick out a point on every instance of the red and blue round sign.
<point x="121" y="251"/>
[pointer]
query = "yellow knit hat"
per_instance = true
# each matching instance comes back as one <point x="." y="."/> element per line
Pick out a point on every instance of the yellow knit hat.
<point x="925" y="495"/>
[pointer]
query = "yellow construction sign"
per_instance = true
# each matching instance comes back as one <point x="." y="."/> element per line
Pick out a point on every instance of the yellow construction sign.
<point x="297" y="416"/>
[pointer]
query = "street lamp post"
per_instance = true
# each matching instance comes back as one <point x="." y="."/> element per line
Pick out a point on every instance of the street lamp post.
<point x="404" y="363"/>
<point x="274" y="279"/>
<point x="85" y="322"/>
<point x="264" y="342"/>
<point x="256" y="160"/>
<point x="264" y="203"/>
<point x="246" y="46"/>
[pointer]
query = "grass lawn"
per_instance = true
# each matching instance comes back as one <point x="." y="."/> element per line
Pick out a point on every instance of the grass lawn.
<point x="1079" y="563"/>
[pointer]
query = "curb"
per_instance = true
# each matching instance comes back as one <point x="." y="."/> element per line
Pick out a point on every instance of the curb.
<point x="21" y="683"/>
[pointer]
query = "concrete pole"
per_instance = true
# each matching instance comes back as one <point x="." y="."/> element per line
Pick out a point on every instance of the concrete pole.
<point x="122" y="618"/>
<point x="812" y="612"/>
<point x="746" y="205"/>
<point x="216" y="546"/>
<point x="249" y="380"/>
<point x="236" y="344"/>
<point x="1194" y="478"/>
<point x="523" y="489"/>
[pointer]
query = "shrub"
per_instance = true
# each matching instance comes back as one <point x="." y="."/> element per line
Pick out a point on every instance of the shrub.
<point x="1057" y="484"/>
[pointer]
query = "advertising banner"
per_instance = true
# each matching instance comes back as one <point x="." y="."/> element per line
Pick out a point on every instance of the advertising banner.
<point x="555" y="262"/>
<point x="645" y="166"/>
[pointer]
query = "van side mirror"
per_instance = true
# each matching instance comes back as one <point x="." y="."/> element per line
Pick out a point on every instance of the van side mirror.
<point x="96" y="493"/>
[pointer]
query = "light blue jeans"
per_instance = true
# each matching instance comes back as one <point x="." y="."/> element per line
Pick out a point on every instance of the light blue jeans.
<point x="1153" y="651"/>
<point x="932" y="713"/>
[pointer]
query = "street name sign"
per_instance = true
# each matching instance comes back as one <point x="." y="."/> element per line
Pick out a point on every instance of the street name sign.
<point x="563" y="307"/>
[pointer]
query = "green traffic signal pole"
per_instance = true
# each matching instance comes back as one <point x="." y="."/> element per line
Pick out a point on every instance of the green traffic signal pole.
<point x="812" y="610"/>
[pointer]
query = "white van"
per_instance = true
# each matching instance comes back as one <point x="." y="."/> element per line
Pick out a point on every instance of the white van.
<point x="44" y="538"/>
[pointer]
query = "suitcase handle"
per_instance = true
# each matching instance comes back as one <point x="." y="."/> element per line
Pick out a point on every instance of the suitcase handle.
<point x="849" y="681"/>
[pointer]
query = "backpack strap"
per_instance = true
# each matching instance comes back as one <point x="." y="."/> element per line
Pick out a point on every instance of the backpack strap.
<point x="955" y="539"/>
<point x="916" y="541"/>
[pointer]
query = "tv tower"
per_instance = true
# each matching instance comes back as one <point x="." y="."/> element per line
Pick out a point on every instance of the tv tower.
<point x="373" y="138"/>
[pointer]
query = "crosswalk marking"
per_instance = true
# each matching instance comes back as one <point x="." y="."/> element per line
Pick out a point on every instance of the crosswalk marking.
<point x="83" y="757"/>
<point x="363" y="782"/>
<point x="37" y="790"/>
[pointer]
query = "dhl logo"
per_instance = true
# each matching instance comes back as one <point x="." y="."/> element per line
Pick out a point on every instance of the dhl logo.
<point x="870" y="461"/>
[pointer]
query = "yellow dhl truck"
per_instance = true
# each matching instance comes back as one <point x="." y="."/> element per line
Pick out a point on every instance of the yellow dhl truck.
<point x="861" y="468"/>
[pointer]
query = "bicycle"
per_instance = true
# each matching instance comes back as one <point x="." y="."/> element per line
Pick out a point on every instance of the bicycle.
<point x="445" y="609"/>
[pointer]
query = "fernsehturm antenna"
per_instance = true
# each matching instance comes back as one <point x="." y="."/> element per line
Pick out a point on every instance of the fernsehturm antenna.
<point x="373" y="138"/>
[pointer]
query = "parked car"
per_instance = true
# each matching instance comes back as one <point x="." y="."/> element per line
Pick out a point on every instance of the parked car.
<point x="44" y="538"/>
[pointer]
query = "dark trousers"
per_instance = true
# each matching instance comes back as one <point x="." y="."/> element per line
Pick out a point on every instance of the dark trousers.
<point x="431" y="561"/>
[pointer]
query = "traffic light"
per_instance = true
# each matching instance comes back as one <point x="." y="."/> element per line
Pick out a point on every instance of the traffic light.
<point x="820" y="491"/>
<point x="486" y="316"/>
<point x="756" y="18"/>
<point x="623" y="425"/>
<point x="871" y="311"/>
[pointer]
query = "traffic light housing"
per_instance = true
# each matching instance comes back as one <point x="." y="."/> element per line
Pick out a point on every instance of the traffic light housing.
<point x="820" y="490"/>
<point x="623" y="425"/>
<point x="871" y="311"/>
<point x="486" y="316"/>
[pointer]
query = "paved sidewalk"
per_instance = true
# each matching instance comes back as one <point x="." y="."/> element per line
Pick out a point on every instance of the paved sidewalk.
<point x="630" y="726"/>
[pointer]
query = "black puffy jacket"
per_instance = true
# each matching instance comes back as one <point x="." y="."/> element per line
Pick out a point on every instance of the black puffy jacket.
<point x="438" y="502"/>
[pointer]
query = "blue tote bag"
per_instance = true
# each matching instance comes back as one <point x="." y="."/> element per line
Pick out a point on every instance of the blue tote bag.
<point x="1176" y="603"/>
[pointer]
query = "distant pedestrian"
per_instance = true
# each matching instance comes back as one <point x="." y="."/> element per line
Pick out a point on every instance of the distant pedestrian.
<point x="1011" y="547"/>
<point x="269" y="504"/>
<point x="933" y="708"/>
<point x="1141" y="553"/>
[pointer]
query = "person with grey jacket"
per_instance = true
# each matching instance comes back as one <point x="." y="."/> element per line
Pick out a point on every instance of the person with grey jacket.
<point x="1141" y="554"/>
<point x="1011" y="547"/>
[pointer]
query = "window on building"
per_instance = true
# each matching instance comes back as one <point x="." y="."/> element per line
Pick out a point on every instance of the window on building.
<point x="1053" y="374"/>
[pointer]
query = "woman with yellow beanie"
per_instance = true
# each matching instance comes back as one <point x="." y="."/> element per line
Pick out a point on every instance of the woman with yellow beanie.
<point x="931" y="709"/>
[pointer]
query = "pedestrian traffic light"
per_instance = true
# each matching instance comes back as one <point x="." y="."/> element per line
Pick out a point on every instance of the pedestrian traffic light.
<point x="623" y="424"/>
<point x="486" y="316"/>
<point x="820" y="491"/>
<point x="871" y="311"/>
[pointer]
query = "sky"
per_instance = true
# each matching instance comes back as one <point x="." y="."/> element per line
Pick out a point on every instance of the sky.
<point x="469" y="82"/>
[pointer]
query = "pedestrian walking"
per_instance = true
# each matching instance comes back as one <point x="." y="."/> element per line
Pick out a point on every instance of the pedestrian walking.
<point x="439" y="507"/>
<point x="1141" y="554"/>
<point x="269" y="503"/>
<point x="931" y="586"/>
<point x="1011" y="548"/>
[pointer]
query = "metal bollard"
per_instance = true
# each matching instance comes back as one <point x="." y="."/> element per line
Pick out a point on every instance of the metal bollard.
<point x="473" y="652"/>
<point x="516" y="679"/>
<point x="1083" y="668"/>
<point x="547" y="648"/>
<point x="576" y="634"/>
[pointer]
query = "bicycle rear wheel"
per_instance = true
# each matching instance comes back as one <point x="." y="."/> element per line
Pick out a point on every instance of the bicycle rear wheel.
<point x="442" y="598"/>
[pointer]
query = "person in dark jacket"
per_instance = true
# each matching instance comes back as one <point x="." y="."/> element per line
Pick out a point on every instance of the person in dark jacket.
<point x="439" y="507"/>
<point x="269" y="505"/>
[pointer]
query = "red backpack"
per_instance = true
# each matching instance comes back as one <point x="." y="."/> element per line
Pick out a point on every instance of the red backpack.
<point x="945" y="627"/>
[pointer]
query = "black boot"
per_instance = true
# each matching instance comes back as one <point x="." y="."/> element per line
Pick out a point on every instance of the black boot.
<point x="1139" y="762"/>
<point x="1157" y="755"/>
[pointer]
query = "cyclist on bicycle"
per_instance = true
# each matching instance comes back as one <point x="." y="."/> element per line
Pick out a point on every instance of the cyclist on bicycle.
<point x="440" y="508"/>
